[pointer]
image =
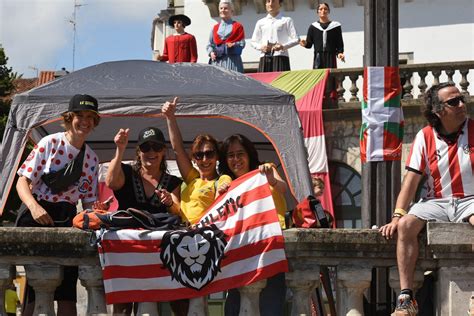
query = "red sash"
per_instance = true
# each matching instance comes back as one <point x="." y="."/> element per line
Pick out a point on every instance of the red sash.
<point x="236" y="35"/>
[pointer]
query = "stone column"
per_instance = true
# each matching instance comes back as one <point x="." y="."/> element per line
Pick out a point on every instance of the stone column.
<point x="44" y="279"/>
<point x="147" y="309"/>
<point x="250" y="298"/>
<point x="198" y="306"/>
<point x="394" y="280"/>
<point x="91" y="279"/>
<point x="302" y="284"/>
<point x="352" y="281"/>
<point x="454" y="289"/>
<point x="6" y="277"/>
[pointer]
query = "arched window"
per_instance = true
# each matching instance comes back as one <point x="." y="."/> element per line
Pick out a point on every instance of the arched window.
<point x="346" y="189"/>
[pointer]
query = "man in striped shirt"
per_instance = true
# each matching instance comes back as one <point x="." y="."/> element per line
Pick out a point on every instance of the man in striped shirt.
<point x="443" y="151"/>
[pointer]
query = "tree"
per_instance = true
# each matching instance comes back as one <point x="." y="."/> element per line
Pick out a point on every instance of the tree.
<point x="7" y="76"/>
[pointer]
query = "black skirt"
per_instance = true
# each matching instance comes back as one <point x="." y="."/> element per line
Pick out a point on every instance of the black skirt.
<point x="274" y="63"/>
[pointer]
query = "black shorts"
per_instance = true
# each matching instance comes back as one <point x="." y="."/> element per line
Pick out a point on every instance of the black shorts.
<point x="62" y="214"/>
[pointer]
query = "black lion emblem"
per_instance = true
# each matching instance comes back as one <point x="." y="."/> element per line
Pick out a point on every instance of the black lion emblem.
<point x="193" y="257"/>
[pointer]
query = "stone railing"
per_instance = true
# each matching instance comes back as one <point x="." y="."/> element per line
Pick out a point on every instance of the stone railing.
<point x="415" y="79"/>
<point x="447" y="249"/>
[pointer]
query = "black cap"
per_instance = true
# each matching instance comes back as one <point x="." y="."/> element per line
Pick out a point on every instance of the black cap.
<point x="180" y="17"/>
<point x="151" y="134"/>
<point x="83" y="102"/>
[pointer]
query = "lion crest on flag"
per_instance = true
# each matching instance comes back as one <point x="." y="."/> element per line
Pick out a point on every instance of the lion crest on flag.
<point x="193" y="257"/>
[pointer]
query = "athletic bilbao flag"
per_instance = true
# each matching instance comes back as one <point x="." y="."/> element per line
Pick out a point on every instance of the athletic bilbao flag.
<point x="237" y="242"/>
<point x="382" y="116"/>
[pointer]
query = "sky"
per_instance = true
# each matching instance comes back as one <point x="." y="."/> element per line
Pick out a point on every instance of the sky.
<point x="38" y="35"/>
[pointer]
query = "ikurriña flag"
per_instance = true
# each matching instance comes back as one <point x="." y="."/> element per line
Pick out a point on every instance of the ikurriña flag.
<point x="381" y="133"/>
<point x="237" y="242"/>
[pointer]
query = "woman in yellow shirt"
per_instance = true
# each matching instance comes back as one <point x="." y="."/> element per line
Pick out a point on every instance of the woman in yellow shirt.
<point x="201" y="183"/>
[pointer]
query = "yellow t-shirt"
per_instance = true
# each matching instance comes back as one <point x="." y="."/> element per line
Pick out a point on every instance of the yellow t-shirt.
<point x="11" y="300"/>
<point x="198" y="195"/>
<point x="280" y="205"/>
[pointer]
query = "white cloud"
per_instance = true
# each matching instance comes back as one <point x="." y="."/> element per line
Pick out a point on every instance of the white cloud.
<point x="38" y="32"/>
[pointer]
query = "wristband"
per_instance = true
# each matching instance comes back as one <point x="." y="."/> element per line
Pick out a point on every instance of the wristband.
<point x="397" y="215"/>
<point x="400" y="211"/>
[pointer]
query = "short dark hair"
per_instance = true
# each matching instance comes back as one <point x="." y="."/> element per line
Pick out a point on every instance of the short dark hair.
<point x="433" y="104"/>
<point x="249" y="147"/>
<point x="202" y="139"/>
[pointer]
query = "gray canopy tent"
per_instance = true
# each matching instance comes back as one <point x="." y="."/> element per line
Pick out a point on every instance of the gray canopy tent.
<point x="130" y="93"/>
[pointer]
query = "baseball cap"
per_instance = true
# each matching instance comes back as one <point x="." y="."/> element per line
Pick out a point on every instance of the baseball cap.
<point x="151" y="134"/>
<point x="83" y="102"/>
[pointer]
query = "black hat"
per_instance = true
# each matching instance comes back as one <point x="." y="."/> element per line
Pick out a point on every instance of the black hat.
<point x="151" y="134"/>
<point x="180" y="17"/>
<point x="83" y="102"/>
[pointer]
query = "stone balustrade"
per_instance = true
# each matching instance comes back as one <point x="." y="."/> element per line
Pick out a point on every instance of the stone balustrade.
<point x="415" y="79"/>
<point x="447" y="249"/>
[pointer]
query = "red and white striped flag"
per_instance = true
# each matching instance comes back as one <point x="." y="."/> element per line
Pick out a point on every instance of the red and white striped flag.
<point x="237" y="242"/>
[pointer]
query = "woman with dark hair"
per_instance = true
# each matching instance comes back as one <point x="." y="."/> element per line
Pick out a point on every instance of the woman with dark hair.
<point x="202" y="181"/>
<point x="326" y="36"/>
<point x="239" y="156"/>
<point x="60" y="171"/>
<point x="145" y="185"/>
<point x="227" y="40"/>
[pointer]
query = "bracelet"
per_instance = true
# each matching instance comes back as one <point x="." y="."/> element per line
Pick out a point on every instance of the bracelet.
<point x="397" y="215"/>
<point x="400" y="211"/>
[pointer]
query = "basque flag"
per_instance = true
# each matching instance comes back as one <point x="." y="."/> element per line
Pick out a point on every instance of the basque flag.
<point x="237" y="242"/>
<point x="381" y="133"/>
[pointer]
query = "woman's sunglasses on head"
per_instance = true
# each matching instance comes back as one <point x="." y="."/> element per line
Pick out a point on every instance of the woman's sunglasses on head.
<point x="146" y="147"/>
<point x="209" y="154"/>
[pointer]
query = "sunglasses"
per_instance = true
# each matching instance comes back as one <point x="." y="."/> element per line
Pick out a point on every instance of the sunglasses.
<point x="146" y="147"/>
<point x="209" y="154"/>
<point x="455" y="101"/>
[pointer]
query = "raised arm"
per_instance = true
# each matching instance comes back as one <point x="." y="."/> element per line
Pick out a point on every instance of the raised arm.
<point x="273" y="177"/>
<point x="182" y="158"/>
<point x="115" y="178"/>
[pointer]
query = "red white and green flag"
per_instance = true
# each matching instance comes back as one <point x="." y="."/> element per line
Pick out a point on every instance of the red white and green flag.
<point x="381" y="133"/>
<point x="308" y="87"/>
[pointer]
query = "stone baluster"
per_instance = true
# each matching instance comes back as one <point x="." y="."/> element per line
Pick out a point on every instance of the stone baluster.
<point x="450" y="73"/>
<point x="340" y="88"/>
<point x="422" y="85"/>
<point x="44" y="279"/>
<point x="407" y="86"/>
<point x="464" y="83"/>
<point x="353" y="89"/>
<point x="91" y="279"/>
<point x="394" y="280"/>
<point x="6" y="277"/>
<point x="198" y="306"/>
<point x="352" y="281"/>
<point x="302" y="285"/>
<point x="250" y="298"/>
<point x="147" y="309"/>
<point x="436" y="75"/>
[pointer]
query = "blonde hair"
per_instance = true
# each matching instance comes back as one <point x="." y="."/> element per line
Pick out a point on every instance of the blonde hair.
<point x="317" y="182"/>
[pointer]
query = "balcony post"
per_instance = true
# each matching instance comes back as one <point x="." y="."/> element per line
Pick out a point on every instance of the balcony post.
<point x="302" y="284"/>
<point x="250" y="298"/>
<point x="352" y="281"/>
<point x="91" y="279"/>
<point x="6" y="277"/>
<point x="44" y="279"/>
<point x="148" y="308"/>
<point x="197" y="306"/>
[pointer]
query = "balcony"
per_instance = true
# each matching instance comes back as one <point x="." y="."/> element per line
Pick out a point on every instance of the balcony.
<point x="447" y="249"/>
